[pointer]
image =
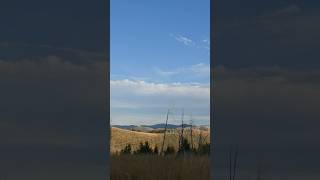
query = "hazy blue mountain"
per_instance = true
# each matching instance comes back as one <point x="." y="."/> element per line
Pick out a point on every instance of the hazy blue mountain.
<point x="150" y="127"/>
<point x="125" y="126"/>
<point x="169" y="126"/>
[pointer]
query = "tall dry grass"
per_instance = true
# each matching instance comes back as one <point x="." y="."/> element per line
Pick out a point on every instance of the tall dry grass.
<point x="121" y="137"/>
<point x="152" y="167"/>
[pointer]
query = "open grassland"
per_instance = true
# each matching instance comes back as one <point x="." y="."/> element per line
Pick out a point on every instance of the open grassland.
<point x="152" y="167"/>
<point x="121" y="137"/>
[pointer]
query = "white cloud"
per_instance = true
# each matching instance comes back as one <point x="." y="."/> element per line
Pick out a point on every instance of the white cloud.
<point x="144" y="102"/>
<point x="172" y="89"/>
<point x="207" y="41"/>
<point x="183" y="39"/>
<point x="166" y="73"/>
<point x="206" y="44"/>
<point x="199" y="70"/>
<point x="137" y="78"/>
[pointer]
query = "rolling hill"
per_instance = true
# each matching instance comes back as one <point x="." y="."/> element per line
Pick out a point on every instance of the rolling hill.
<point x="121" y="137"/>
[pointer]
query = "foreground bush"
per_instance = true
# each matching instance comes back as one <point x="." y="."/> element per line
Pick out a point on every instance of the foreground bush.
<point x="127" y="149"/>
<point x="184" y="148"/>
<point x="144" y="149"/>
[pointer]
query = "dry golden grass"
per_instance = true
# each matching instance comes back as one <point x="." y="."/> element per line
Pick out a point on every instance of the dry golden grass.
<point x="152" y="167"/>
<point x="121" y="137"/>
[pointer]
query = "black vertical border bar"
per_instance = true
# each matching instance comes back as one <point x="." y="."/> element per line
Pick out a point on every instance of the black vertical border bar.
<point x="107" y="139"/>
<point x="212" y="60"/>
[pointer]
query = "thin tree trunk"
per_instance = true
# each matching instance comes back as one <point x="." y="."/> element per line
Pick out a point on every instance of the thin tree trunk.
<point x="164" y="134"/>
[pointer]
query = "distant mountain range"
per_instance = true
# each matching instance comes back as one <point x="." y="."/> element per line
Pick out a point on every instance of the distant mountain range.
<point x="155" y="126"/>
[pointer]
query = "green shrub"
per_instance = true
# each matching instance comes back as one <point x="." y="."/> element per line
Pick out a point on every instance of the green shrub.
<point x="127" y="149"/>
<point x="144" y="149"/>
<point x="185" y="146"/>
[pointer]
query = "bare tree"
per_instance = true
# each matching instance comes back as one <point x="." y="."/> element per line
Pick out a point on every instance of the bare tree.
<point x="200" y="139"/>
<point x="165" y="130"/>
<point x="191" y="138"/>
<point x="182" y="128"/>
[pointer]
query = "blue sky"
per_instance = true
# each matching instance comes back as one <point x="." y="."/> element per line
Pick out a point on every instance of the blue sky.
<point x="160" y="49"/>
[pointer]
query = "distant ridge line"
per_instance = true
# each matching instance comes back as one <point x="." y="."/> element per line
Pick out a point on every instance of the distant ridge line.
<point x="158" y="126"/>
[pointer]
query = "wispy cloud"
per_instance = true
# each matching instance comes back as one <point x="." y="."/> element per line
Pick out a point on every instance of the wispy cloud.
<point x="183" y="39"/>
<point x="200" y="44"/>
<point x="206" y="44"/>
<point x="171" y="89"/>
<point x="206" y="41"/>
<point x="166" y="73"/>
<point x="199" y="70"/>
<point x="135" y="78"/>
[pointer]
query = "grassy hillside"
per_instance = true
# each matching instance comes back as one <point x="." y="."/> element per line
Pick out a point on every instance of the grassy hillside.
<point x="121" y="137"/>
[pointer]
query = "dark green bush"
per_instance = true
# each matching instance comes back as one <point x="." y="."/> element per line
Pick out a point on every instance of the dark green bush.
<point x="144" y="149"/>
<point x="126" y="150"/>
<point x="185" y="146"/>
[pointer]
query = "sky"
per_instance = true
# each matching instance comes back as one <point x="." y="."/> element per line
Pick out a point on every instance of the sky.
<point x="159" y="59"/>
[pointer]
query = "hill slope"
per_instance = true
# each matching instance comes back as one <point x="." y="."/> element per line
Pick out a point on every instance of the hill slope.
<point x="121" y="137"/>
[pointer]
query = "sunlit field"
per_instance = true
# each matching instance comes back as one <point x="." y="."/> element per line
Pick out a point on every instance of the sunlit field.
<point x="140" y="156"/>
<point x="121" y="137"/>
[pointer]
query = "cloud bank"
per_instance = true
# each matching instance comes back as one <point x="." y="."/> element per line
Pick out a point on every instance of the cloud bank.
<point x="150" y="100"/>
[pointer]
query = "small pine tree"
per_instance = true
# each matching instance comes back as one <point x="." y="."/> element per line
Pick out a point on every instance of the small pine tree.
<point x="185" y="146"/>
<point x="144" y="148"/>
<point x="127" y="149"/>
